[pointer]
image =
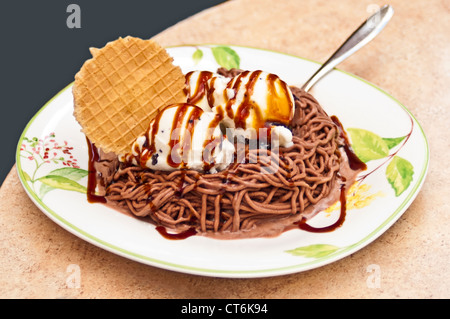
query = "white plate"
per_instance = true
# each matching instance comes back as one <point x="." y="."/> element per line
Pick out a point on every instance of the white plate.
<point x="59" y="193"/>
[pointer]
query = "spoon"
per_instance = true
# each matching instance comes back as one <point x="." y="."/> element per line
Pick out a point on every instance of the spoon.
<point x="359" y="38"/>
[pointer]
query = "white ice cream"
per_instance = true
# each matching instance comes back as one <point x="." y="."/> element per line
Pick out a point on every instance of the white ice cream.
<point x="249" y="102"/>
<point x="182" y="136"/>
<point x="253" y="105"/>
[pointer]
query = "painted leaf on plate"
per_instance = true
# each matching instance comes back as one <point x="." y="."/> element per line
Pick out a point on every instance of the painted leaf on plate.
<point x="197" y="55"/>
<point x="314" y="251"/>
<point x="62" y="182"/>
<point x="399" y="173"/>
<point x="226" y="57"/>
<point x="26" y="176"/>
<point x="71" y="173"/>
<point x="393" y="142"/>
<point x="367" y="145"/>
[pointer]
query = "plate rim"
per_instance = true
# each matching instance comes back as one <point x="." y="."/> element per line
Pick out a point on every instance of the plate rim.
<point x="253" y="273"/>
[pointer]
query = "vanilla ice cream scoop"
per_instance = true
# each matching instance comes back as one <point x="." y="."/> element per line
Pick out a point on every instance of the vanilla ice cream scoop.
<point x="249" y="102"/>
<point x="182" y="136"/>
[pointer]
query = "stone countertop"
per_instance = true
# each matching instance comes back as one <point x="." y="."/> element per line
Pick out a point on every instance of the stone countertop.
<point x="410" y="60"/>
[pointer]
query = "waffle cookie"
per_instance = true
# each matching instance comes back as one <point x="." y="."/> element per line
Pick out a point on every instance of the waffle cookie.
<point x="121" y="89"/>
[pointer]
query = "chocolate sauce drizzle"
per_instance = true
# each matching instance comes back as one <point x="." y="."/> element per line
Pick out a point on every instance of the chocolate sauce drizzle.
<point x="94" y="157"/>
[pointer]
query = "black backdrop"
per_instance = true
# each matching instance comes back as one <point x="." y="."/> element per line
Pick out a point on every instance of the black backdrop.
<point x="40" y="54"/>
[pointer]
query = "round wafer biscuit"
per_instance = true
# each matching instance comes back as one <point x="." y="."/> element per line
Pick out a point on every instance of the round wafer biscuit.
<point x="121" y="89"/>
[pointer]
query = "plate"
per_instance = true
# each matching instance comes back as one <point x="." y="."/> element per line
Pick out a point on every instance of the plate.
<point x="52" y="163"/>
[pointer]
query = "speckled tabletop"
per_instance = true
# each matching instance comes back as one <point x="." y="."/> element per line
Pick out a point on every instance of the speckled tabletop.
<point x="410" y="60"/>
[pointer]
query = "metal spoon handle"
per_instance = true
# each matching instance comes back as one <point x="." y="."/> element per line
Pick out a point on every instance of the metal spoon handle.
<point x="363" y="35"/>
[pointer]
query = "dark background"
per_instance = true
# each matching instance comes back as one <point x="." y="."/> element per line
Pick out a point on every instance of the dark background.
<point x="40" y="54"/>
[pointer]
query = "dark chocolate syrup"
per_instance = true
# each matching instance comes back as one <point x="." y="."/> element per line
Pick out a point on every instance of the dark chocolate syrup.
<point x="201" y="88"/>
<point x="92" y="175"/>
<point x="354" y="162"/>
<point x="304" y="226"/>
<point x="173" y="158"/>
<point x="176" y="236"/>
